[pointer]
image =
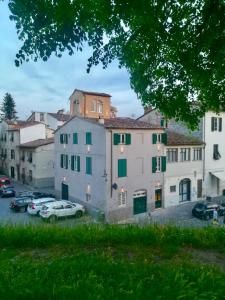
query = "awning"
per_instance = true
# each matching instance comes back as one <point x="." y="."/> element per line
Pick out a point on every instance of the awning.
<point x="219" y="174"/>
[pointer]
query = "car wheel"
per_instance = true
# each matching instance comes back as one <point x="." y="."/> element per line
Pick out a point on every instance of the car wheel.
<point x="79" y="214"/>
<point x="52" y="218"/>
<point x="22" y="209"/>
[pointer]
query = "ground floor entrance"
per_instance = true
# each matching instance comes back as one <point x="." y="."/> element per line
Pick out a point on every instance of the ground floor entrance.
<point x="158" y="198"/>
<point x="139" y="202"/>
<point x="185" y="190"/>
<point x="65" y="191"/>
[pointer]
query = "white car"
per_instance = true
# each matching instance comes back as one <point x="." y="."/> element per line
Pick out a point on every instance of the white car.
<point x="63" y="208"/>
<point x="35" y="206"/>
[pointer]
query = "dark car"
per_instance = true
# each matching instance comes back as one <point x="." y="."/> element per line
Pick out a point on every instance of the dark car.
<point x="205" y="210"/>
<point x="20" y="204"/>
<point x="7" y="192"/>
<point x="35" y="195"/>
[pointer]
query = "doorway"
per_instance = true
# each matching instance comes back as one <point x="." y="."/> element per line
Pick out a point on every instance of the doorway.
<point x="185" y="190"/>
<point x="65" y="192"/>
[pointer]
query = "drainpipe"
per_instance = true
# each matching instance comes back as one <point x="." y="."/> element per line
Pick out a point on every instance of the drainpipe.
<point x="111" y="162"/>
<point x="203" y="125"/>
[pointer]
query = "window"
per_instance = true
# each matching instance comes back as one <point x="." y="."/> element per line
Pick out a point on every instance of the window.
<point x="122" y="167"/>
<point x="64" y="138"/>
<point x="75" y="138"/>
<point x="122" y="198"/>
<point x="158" y="164"/>
<point x="88" y="138"/>
<point x="216" y="124"/>
<point x="12" y="154"/>
<point x="159" y="138"/>
<point x="216" y="154"/>
<point x="172" y="155"/>
<point x="94" y="106"/>
<point x="12" y="137"/>
<point x="41" y="117"/>
<point x="30" y="175"/>
<point x="76" y="106"/>
<point x="64" y="161"/>
<point x="29" y="157"/>
<point x="185" y="154"/>
<point x="172" y="188"/>
<point x="100" y="107"/>
<point x="88" y="197"/>
<point x="75" y="163"/>
<point x="122" y="138"/>
<point x="140" y="165"/>
<point x="197" y="154"/>
<point x="89" y="165"/>
<point x="5" y="153"/>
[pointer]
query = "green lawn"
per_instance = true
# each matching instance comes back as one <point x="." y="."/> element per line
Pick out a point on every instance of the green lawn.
<point x="111" y="262"/>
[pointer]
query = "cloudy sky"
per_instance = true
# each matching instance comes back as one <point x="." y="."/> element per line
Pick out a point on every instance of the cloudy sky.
<point x="46" y="86"/>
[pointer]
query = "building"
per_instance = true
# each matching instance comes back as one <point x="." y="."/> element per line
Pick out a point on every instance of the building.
<point x="37" y="162"/>
<point x="114" y="166"/>
<point x="91" y="105"/>
<point x="211" y="130"/>
<point x="51" y="120"/>
<point x="183" y="180"/>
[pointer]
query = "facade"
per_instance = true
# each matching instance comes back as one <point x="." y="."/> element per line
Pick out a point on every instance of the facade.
<point x="37" y="163"/>
<point x="211" y="130"/>
<point x="183" y="180"/>
<point x="114" y="166"/>
<point x="51" y="120"/>
<point x="91" y="105"/>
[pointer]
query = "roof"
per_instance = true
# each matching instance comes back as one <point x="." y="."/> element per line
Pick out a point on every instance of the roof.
<point x="128" y="123"/>
<point x="178" y="139"/>
<point x="22" y="124"/>
<point x="60" y="116"/>
<point x="37" y="143"/>
<point x="146" y="111"/>
<point x="92" y="93"/>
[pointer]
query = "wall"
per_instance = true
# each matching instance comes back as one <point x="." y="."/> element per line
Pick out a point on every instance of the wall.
<point x="31" y="133"/>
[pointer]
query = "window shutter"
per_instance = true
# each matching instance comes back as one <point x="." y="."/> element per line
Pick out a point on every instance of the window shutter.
<point x="66" y="161"/>
<point x="75" y="138"/>
<point x="122" y="167"/>
<point x="164" y="138"/>
<point x="212" y="124"/>
<point x="154" y="138"/>
<point x="128" y="138"/>
<point x="88" y="166"/>
<point x="116" y="138"/>
<point x="162" y="122"/>
<point x="78" y="163"/>
<point x="163" y="160"/>
<point x="61" y="138"/>
<point x="72" y="162"/>
<point x="220" y="124"/>
<point x="66" y="138"/>
<point x="61" y="160"/>
<point x="154" y="164"/>
<point x="88" y="138"/>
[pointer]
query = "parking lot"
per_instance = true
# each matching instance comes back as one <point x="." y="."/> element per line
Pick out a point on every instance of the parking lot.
<point x="180" y="215"/>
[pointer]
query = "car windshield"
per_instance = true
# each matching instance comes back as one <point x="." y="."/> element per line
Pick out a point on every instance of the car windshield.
<point x="200" y="205"/>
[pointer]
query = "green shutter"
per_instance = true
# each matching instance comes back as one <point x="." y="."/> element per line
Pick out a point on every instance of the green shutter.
<point x="66" y="161"/>
<point x="154" y="164"/>
<point x="88" y="165"/>
<point x="163" y="160"/>
<point x="212" y="124"/>
<point x="78" y="163"/>
<point x="75" y="138"/>
<point x="164" y="138"/>
<point x="66" y="138"/>
<point x="116" y="139"/>
<point x="128" y="138"/>
<point x="72" y="162"/>
<point x="162" y="122"/>
<point x="61" y="138"/>
<point x="220" y="124"/>
<point x="88" y="138"/>
<point x="154" y="138"/>
<point x="61" y="160"/>
<point x="122" y="167"/>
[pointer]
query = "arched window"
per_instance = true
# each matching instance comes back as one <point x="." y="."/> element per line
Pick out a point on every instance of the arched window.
<point x="76" y="106"/>
<point x="185" y="190"/>
<point x="100" y="107"/>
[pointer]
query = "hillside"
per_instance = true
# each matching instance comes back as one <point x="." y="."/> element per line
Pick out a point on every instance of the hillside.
<point x="96" y="262"/>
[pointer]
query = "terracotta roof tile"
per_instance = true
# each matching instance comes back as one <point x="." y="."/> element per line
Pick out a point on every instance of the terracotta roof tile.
<point x="60" y="117"/>
<point x="128" y="123"/>
<point x="177" y="139"/>
<point x="93" y="93"/>
<point x="37" y="143"/>
<point x="22" y="124"/>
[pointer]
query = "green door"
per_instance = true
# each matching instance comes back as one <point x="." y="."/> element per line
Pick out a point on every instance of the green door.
<point x="65" y="191"/>
<point x="140" y="202"/>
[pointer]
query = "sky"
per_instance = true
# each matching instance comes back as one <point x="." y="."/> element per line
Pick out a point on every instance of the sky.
<point x="46" y="86"/>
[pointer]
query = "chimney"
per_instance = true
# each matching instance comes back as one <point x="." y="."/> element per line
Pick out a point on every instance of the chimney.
<point x="60" y="111"/>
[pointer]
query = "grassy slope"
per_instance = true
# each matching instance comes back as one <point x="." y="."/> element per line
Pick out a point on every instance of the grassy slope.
<point x="94" y="262"/>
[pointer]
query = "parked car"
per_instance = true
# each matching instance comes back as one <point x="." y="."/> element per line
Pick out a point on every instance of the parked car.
<point x="20" y="203"/>
<point x="4" y="181"/>
<point x="35" y="206"/>
<point x="53" y="211"/>
<point x="7" y="192"/>
<point x="204" y="210"/>
<point x="35" y="194"/>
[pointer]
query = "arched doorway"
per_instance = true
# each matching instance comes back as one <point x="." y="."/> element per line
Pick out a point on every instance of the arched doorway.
<point x="185" y="190"/>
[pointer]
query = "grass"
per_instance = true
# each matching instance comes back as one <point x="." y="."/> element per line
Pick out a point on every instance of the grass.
<point x="111" y="262"/>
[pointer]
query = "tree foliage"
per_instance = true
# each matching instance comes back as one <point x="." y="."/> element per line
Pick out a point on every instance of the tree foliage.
<point x="8" y="107"/>
<point x="173" y="50"/>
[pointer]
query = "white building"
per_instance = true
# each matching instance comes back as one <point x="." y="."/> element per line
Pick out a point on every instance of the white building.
<point x="211" y="130"/>
<point x="183" y="179"/>
<point x="114" y="165"/>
